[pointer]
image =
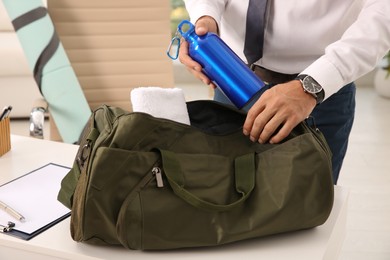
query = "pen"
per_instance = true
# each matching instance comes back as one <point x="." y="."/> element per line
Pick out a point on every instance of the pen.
<point x="12" y="212"/>
<point x="6" y="112"/>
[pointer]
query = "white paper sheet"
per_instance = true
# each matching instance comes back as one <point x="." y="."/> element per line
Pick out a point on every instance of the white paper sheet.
<point x="34" y="196"/>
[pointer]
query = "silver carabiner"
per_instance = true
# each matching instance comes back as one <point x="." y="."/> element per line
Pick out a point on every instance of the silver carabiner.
<point x="175" y="44"/>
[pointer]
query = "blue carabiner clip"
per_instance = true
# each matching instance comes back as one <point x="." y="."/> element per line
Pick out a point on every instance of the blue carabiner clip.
<point x="175" y="42"/>
<point x="183" y="29"/>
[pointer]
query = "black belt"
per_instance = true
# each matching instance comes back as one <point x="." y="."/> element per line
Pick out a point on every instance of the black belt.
<point x="272" y="77"/>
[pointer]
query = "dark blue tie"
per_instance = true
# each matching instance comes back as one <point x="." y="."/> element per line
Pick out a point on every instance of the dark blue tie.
<point x="254" y="38"/>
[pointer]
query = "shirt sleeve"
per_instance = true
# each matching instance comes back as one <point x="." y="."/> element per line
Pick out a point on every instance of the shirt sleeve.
<point x="199" y="8"/>
<point x="358" y="51"/>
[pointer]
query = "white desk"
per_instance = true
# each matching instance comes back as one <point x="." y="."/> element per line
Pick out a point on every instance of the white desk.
<point x="28" y="154"/>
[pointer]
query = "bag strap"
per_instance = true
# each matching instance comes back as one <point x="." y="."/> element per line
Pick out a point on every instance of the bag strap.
<point x="244" y="181"/>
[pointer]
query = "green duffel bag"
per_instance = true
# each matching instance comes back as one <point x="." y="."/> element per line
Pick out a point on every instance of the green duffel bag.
<point x="151" y="183"/>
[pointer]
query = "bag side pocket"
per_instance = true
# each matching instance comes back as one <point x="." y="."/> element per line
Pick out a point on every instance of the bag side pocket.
<point x="113" y="174"/>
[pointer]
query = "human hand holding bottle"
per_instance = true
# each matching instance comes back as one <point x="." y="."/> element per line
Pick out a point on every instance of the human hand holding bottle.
<point x="203" y="25"/>
<point x="278" y="109"/>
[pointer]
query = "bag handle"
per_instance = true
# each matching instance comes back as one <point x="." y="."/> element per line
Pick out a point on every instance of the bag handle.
<point x="244" y="181"/>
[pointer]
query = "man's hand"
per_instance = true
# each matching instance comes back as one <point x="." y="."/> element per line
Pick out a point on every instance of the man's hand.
<point x="204" y="25"/>
<point x="277" y="112"/>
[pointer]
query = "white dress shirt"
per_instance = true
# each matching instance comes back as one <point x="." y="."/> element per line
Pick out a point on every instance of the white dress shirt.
<point x="333" y="41"/>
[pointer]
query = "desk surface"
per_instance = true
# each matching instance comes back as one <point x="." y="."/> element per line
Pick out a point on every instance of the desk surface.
<point x="27" y="154"/>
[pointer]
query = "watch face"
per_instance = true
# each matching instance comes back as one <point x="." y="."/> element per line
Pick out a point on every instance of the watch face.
<point x="311" y="86"/>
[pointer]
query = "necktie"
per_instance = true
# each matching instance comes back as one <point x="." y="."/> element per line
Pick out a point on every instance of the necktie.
<point x="254" y="38"/>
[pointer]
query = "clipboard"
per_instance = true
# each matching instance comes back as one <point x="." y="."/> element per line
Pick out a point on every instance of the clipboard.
<point x="34" y="195"/>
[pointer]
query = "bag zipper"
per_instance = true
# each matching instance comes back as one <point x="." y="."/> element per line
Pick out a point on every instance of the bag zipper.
<point x="158" y="174"/>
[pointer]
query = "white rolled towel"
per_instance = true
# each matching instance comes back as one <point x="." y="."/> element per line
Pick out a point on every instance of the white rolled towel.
<point x="168" y="103"/>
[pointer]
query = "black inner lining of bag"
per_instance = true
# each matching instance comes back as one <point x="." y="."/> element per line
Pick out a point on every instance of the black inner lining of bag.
<point x="215" y="118"/>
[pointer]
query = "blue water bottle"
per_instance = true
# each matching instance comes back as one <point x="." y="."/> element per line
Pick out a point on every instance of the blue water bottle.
<point x="224" y="68"/>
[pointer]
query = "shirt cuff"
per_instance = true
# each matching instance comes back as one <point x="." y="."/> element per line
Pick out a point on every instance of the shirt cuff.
<point x="206" y="10"/>
<point x="327" y="75"/>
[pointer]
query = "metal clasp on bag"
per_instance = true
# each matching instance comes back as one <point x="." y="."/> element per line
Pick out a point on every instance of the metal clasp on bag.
<point x="84" y="154"/>
<point x="311" y="122"/>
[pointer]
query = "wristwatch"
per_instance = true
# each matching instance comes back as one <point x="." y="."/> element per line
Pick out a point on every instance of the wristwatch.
<point x="312" y="87"/>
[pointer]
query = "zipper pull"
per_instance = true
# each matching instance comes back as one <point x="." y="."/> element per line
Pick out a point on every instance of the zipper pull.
<point x="157" y="172"/>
